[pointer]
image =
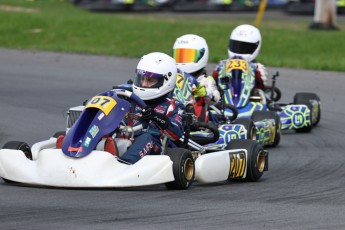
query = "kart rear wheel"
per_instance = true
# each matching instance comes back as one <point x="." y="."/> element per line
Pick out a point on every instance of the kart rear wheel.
<point x="249" y="126"/>
<point x="262" y="115"/>
<point x="18" y="145"/>
<point x="257" y="161"/>
<point x="302" y="98"/>
<point x="183" y="168"/>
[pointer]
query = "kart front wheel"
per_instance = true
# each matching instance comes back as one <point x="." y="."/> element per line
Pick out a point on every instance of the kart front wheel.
<point x="183" y="168"/>
<point x="18" y="145"/>
<point x="256" y="162"/>
<point x="275" y="130"/>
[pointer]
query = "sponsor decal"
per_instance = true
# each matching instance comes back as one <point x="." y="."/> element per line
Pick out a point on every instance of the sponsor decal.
<point x="100" y="117"/>
<point x="238" y="162"/>
<point x="182" y="42"/>
<point x="147" y="148"/>
<point x="94" y="130"/>
<point x="160" y="109"/>
<point x="141" y="72"/>
<point x="160" y="120"/>
<point x="87" y="142"/>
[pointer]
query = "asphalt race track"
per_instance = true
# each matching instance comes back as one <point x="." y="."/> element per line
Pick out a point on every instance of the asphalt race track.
<point x="303" y="189"/>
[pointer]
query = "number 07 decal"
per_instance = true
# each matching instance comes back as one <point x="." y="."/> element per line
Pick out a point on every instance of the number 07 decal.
<point x="104" y="103"/>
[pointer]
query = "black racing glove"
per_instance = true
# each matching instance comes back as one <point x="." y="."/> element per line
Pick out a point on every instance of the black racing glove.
<point x="159" y="119"/>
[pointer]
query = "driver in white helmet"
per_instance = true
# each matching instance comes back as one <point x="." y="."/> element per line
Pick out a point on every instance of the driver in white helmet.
<point x="191" y="55"/>
<point x="245" y="41"/>
<point x="154" y="83"/>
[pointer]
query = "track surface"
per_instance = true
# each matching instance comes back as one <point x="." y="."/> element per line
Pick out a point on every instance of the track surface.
<point x="303" y="189"/>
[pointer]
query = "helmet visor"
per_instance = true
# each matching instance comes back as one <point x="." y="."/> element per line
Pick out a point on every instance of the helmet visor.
<point x="182" y="55"/>
<point x="145" y="79"/>
<point x="242" y="47"/>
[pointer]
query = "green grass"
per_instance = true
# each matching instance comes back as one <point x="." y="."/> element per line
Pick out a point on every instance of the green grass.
<point x="56" y="25"/>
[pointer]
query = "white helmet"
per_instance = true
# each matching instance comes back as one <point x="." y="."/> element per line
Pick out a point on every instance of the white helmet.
<point x="190" y="53"/>
<point x="155" y="65"/>
<point x="245" y="41"/>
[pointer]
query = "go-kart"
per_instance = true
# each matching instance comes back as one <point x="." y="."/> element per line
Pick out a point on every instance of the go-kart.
<point x="221" y="125"/>
<point x="292" y="114"/>
<point x="236" y="81"/>
<point x="222" y="128"/>
<point x="81" y="158"/>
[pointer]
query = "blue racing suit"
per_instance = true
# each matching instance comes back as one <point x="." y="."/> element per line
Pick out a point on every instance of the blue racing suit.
<point x="148" y="142"/>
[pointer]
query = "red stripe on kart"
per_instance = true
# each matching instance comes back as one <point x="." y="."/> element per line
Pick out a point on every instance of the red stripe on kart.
<point x="72" y="149"/>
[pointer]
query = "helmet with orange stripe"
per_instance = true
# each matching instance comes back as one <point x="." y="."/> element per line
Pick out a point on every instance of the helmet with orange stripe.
<point x="190" y="53"/>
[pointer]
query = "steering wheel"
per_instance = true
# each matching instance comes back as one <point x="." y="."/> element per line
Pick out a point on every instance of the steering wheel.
<point x="130" y="96"/>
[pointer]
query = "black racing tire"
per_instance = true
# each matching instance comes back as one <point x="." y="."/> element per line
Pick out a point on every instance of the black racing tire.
<point x="301" y="98"/>
<point x="18" y="145"/>
<point x="277" y="94"/>
<point x="59" y="133"/>
<point x="262" y="115"/>
<point x="256" y="158"/>
<point x="249" y="126"/>
<point x="206" y="140"/>
<point x="234" y="111"/>
<point x="183" y="168"/>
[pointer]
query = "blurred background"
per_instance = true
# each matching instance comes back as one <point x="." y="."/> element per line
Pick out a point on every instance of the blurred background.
<point x="288" y="6"/>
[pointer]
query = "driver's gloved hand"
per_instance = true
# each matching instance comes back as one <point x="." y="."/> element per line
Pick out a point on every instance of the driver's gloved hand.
<point x="147" y="113"/>
<point x="159" y="119"/>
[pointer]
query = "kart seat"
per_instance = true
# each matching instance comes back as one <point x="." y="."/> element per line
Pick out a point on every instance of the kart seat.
<point x="59" y="141"/>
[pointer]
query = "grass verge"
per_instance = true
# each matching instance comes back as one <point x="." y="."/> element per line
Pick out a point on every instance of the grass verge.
<point x="56" y="25"/>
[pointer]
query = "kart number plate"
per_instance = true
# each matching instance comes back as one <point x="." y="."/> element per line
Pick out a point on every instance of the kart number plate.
<point x="237" y="64"/>
<point x="238" y="162"/>
<point x="180" y="81"/>
<point x="104" y="103"/>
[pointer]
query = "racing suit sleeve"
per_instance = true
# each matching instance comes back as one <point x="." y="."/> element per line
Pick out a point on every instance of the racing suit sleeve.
<point x="175" y="127"/>
<point x="198" y="89"/>
<point x="260" y="76"/>
<point x="212" y="94"/>
<point x="215" y="72"/>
